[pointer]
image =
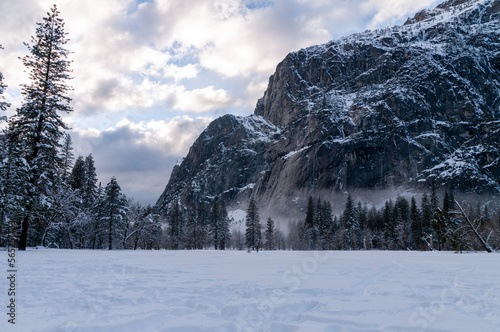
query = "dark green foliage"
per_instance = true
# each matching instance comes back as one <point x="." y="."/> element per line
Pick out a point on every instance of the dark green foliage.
<point x="311" y="225"/>
<point x="175" y="227"/>
<point x="219" y="222"/>
<point x="253" y="233"/>
<point x="350" y="222"/>
<point x="270" y="235"/>
<point x="77" y="176"/>
<point x="197" y="227"/>
<point x="111" y="212"/>
<point x="402" y="222"/>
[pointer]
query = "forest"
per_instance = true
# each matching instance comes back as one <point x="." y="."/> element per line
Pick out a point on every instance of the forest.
<point x="49" y="198"/>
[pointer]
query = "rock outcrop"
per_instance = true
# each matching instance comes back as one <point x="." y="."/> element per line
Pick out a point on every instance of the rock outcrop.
<point x="402" y="106"/>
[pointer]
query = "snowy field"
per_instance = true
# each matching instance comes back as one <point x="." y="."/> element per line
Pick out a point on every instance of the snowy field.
<point x="81" y="290"/>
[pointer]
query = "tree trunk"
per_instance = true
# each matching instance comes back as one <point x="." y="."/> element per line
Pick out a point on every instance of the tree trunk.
<point x="23" y="238"/>
<point x="110" y="233"/>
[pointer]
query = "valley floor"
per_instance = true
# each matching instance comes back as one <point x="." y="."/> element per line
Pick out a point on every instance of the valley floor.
<point x="83" y="290"/>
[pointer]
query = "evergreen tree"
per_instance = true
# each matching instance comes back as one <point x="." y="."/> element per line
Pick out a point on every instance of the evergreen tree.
<point x="325" y="226"/>
<point x="76" y="178"/>
<point x="190" y="231"/>
<point x="440" y="226"/>
<point x="89" y="183"/>
<point x="112" y="214"/>
<point x="310" y="226"/>
<point x="67" y="157"/>
<point x="222" y="222"/>
<point x="13" y="187"/>
<point x="37" y="126"/>
<point x="214" y="224"/>
<point x="390" y="236"/>
<point x="417" y="228"/>
<point x="270" y="235"/>
<point x="175" y="227"/>
<point x="253" y="232"/>
<point x="350" y="222"/>
<point x="402" y="222"/>
<point x="201" y="227"/>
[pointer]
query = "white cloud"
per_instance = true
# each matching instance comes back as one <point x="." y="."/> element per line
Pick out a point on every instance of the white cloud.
<point x="140" y="154"/>
<point x="201" y="100"/>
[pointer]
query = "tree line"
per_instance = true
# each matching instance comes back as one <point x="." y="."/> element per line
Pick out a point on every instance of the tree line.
<point x="402" y="224"/>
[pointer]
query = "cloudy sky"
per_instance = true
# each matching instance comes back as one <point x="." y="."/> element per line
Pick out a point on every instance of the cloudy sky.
<point x="149" y="75"/>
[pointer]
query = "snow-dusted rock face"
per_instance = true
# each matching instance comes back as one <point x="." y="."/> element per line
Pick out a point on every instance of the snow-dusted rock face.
<point x="399" y="106"/>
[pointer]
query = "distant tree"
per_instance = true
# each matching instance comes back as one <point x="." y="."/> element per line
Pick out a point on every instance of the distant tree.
<point x="294" y="239"/>
<point x="350" y="222"/>
<point x="237" y="239"/>
<point x="310" y="225"/>
<point x="76" y="178"/>
<point x="390" y="236"/>
<point x="67" y="157"/>
<point x="175" y="227"/>
<point x="112" y="214"/>
<point x="201" y="223"/>
<point x="37" y="126"/>
<point x="270" y="235"/>
<point x="326" y="227"/>
<point x="253" y="232"/>
<point x="222" y="222"/>
<point x="89" y="185"/>
<point x="145" y="230"/>
<point x="440" y="226"/>
<point x="219" y="225"/>
<point x="417" y="227"/>
<point x="402" y="222"/>
<point x="280" y="240"/>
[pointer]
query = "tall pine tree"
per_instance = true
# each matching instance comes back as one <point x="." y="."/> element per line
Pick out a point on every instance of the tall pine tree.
<point x="253" y="232"/>
<point x="270" y="235"/>
<point x="37" y="126"/>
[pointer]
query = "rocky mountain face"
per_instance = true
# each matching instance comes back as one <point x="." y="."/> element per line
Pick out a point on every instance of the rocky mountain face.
<point x="404" y="106"/>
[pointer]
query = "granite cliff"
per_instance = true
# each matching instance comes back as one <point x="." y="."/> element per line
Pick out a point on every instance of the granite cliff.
<point x="404" y="106"/>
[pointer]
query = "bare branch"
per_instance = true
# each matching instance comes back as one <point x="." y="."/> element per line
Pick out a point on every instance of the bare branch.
<point x="484" y="243"/>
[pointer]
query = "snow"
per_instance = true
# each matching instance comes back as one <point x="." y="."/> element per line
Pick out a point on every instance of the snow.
<point x="83" y="290"/>
<point x="179" y="162"/>
<point x="290" y="154"/>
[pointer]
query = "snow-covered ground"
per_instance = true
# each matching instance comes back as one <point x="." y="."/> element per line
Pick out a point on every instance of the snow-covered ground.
<point x="82" y="290"/>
